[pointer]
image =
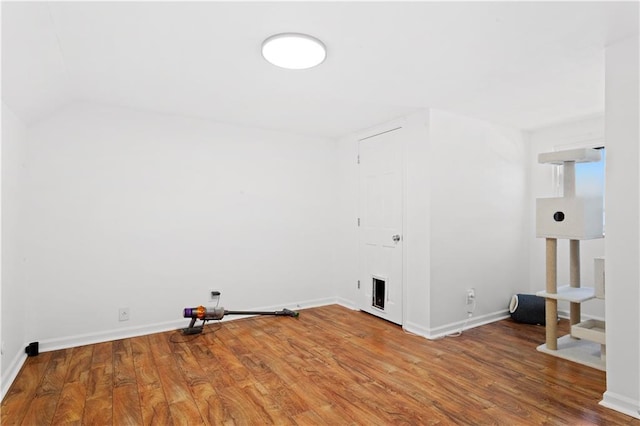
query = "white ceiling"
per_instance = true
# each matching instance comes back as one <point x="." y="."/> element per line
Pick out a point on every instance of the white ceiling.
<point x="519" y="64"/>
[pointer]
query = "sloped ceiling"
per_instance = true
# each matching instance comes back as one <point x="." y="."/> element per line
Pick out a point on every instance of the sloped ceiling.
<point x="518" y="64"/>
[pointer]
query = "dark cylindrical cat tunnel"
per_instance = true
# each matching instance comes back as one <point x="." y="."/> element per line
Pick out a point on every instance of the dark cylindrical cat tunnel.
<point x="527" y="309"/>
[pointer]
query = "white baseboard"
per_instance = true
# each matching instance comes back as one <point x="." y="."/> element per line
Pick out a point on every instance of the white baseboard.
<point x="124" y="333"/>
<point x="12" y="372"/>
<point x="439" y="332"/>
<point x="346" y="303"/>
<point x="621" y="403"/>
<point x="67" y="342"/>
<point x="314" y="303"/>
<point x="416" y="329"/>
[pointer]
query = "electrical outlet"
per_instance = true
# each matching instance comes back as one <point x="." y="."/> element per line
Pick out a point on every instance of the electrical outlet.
<point x="471" y="295"/>
<point x="123" y="314"/>
<point x="214" y="295"/>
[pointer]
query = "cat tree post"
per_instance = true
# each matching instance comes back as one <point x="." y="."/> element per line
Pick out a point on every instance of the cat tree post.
<point x="574" y="278"/>
<point x="569" y="191"/>
<point x="551" y="305"/>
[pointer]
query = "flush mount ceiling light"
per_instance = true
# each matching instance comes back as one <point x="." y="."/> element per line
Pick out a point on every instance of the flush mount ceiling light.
<point x="294" y="51"/>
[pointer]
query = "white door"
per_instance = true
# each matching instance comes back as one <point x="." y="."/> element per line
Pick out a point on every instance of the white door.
<point x="380" y="231"/>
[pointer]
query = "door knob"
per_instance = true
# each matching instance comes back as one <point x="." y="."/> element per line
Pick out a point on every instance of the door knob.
<point x="396" y="238"/>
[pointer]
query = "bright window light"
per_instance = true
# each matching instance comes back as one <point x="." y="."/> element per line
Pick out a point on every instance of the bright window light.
<point x="294" y="51"/>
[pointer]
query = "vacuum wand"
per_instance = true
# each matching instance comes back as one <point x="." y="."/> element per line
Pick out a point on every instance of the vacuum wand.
<point x="217" y="313"/>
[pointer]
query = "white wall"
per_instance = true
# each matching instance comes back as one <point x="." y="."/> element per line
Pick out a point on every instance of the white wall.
<point x="346" y="209"/>
<point x="478" y="217"/>
<point x="587" y="132"/>
<point x="14" y="313"/>
<point x="149" y="212"/>
<point x="622" y="113"/>
<point x="465" y="219"/>
<point x="417" y="238"/>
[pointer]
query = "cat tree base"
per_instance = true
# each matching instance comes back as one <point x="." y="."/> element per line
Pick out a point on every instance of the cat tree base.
<point x="577" y="350"/>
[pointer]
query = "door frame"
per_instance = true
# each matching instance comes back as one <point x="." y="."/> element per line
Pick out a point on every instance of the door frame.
<point x="400" y="126"/>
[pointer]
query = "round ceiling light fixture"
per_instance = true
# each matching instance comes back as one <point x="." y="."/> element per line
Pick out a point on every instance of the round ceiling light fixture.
<point x="294" y="51"/>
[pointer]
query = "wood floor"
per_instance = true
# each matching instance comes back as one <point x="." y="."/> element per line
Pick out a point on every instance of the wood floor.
<point x="331" y="366"/>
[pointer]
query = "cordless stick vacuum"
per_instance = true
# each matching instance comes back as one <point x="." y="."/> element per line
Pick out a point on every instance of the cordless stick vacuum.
<point x="216" y="313"/>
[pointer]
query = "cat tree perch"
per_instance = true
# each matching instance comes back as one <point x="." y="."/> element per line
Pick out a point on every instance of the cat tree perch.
<point x="574" y="218"/>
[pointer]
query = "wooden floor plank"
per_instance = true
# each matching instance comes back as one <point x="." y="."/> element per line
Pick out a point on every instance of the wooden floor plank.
<point x="182" y="407"/>
<point x="153" y="403"/>
<point x="74" y="393"/>
<point x="45" y="402"/>
<point x="330" y="366"/>
<point x="98" y="408"/>
<point x="16" y="403"/>
<point x="71" y="404"/>
<point x="126" y="400"/>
